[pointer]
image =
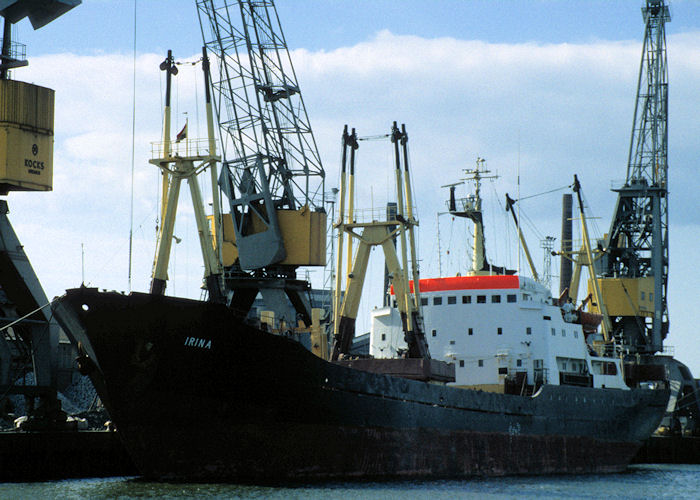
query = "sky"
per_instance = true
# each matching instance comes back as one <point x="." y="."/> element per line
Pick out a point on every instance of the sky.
<point x="541" y="89"/>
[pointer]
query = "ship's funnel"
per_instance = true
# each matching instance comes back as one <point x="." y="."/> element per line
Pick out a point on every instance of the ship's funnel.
<point x="566" y="246"/>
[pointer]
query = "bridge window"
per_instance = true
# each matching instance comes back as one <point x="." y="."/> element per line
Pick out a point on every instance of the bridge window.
<point x="481" y="299"/>
<point x="451" y="300"/>
<point x="495" y="299"/>
<point x="512" y="298"/>
<point x="466" y="299"/>
<point x="605" y="368"/>
<point x="437" y="301"/>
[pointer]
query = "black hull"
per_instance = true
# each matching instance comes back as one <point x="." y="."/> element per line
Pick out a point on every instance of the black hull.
<point x="197" y="394"/>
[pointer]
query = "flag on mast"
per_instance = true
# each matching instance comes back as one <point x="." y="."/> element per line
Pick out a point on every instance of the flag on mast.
<point x="183" y="133"/>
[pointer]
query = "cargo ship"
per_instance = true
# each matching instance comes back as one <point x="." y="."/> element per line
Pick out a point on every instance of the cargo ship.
<point x="198" y="394"/>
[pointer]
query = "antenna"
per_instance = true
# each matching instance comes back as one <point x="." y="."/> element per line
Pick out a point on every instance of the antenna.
<point x="547" y="244"/>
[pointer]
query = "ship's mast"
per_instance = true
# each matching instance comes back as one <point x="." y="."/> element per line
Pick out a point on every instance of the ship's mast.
<point x="182" y="160"/>
<point x="636" y="247"/>
<point x="470" y="208"/>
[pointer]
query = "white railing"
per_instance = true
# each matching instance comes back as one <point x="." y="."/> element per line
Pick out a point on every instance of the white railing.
<point x="669" y="350"/>
<point x="366" y="215"/>
<point x="184" y="148"/>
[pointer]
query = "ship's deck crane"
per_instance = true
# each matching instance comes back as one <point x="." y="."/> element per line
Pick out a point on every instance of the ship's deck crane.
<point x="633" y="272"/>
<point x="379" y="233"/>
<point x="184" y="161"/>
<point x="271" y="172"/>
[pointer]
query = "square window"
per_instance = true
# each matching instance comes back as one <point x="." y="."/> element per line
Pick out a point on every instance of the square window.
<point x="512" y="298"/>
<point x="481" y="299"/>
<point x="461" y="363"/>
<point x="481" y="362"/>
<point x="495" y="299"/>
<point x="503" y="370"/>
<point x="452" y="342"/>
<point x="528" y="330"/>
<point x="437" y="301"/>
<point x="434" y="333"/>
<point x="500" y="330"/>
<point x="466" y="299"/>
<point x="451" y="300"/>
<point x="424" y="301"/>
<point x="471" y="331"/>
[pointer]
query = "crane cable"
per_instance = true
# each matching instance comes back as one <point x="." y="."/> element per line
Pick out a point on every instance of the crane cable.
<point x="133" y="153"/>
<point x="569" y="186"/>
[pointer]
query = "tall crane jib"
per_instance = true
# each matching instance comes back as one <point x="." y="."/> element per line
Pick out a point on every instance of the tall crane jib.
<point x="634" y="269"/>
<point x="272" y="172"/>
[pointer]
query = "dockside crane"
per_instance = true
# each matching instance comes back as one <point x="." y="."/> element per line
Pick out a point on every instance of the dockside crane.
<point x="633" y="270"/>
<point x="29" y="336"/>
<point x="271" y="170"/>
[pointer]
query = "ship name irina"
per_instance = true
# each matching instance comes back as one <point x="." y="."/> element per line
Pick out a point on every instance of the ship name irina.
<point x="195" y="342"/>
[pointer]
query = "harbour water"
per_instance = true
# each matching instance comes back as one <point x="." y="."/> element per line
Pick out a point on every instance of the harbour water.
<point x="639" y="482"/>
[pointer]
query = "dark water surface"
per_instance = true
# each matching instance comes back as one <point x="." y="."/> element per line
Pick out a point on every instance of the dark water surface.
<point x="641" y="481"/>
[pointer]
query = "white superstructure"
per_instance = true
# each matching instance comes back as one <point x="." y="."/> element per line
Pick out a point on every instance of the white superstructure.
<point x="500" y="330"/>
